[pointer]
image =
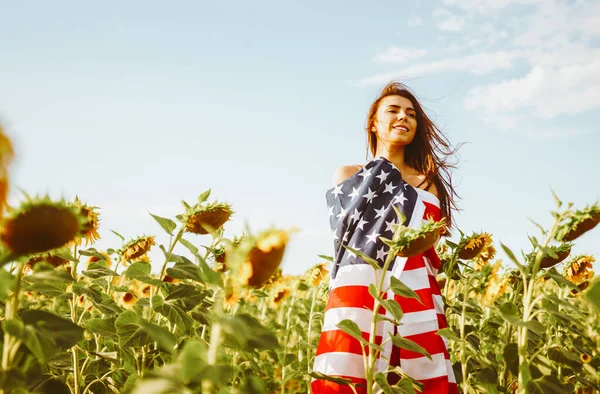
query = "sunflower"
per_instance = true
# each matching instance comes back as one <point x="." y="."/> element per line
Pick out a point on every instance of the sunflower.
<point x="138" y="248"/>
<point x="49" y="258"/>
<point x="495" y="286"/>
<point x="168" y="279"/>
<point x="280" y="295"/>
<point x="263" y="256"/>
<point x="413" y="241"/>
<point x="316" y="274"/>
<point x="6" y="156"/>
<point x="90" y="230"/>
<point x="40" y="225"/>
<point x="585" y="358"/>
<point x="470" y="247"/>
<point x="127" y="300"/>
<point x="561" y="251"/>
<point x="206" y="218"/>
<point x="579" y="223"/>
<point x="579" y="270"/>
<point x="106" y="261"/>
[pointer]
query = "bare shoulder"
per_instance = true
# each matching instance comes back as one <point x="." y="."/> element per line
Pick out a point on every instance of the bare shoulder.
<point x="344" y="172"/>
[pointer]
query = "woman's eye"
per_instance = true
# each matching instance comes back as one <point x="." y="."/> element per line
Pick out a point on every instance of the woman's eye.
<point x="412" y="115"/>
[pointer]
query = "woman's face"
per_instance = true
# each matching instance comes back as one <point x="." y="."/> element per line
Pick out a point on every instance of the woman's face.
<point x="395" y="120"/>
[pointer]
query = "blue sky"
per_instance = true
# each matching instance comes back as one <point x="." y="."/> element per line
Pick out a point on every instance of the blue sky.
<point x="134" y="106"/>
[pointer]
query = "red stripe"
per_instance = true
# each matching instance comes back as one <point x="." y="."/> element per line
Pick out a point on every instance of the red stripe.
<point x="352" y="297"/>
<point x="433" y="257"/>
<point x="442" y="323"/>
<point x="434" y="286"/>
<point x="432" y="343"/>
<point x="327" y="387"/>
<point x="339" y="341"/>
<point x="439" y="385"/>
<point x="432" y="212"/>
<point x="410" y="305"/>
<point x="412" y="263"/>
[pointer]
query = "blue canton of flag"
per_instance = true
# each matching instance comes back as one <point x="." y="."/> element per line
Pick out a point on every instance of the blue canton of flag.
<point x="360" y="211"/>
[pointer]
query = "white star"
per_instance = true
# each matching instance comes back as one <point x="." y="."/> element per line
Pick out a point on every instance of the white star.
<point x="337" y="190"/>
<point x="381" y="254"/>
<point x="373" y="237"/>
<point x="335" y="236"/>
<point x="331" y="211"/>
<point x="389" y="188"/>
<point x="370" y="195"/>
<point x="365" y="173"/>
<point x="389" y="225"/>
<point x="342" y="212"/>
<point x="351" y="253"/>
<point x="383" y="175"/>
<point x="345" y="237"/>
<point x="355" y="215"/>
<point x="380" y="212"/>
<point x="400" y="198"/>
<point x="361" y="223"/>
<point x="354" y="193"/>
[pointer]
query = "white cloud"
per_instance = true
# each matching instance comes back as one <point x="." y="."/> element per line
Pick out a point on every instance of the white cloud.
<point x="447" y="21"/>
<point x="556" y="42"/>
<point x="399" y="55"/>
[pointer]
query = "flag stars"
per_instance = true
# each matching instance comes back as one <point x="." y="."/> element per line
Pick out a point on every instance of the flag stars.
<point x="361" y="224"/>
<point x="380" y="212"/>
<point x="370" y="195"/>
<point x="352" y="254"/>
<point x="354" y="193"/>
<point x="337" y="190"/>
<point x="381" y="253"/>
<point x="399" y="199"/>
<point x="383" y="175"/>
<point x="331" y="210"/>
<point x="373" y="237"/>
<point x="365" y="173"/>
<point x="342" y="212"/>
<point x="390" y="224"/>
<point x="356" y="215"/>
<point x="389" y="188"/>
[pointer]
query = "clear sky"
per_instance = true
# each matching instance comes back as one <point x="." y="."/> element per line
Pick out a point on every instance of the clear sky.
<point x="136" y="105"/>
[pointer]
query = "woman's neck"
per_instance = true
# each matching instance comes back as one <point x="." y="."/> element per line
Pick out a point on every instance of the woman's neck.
<point x="395" y="154"/>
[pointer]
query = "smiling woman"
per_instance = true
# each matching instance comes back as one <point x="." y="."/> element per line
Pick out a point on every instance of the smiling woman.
<point x="409" y="152"/>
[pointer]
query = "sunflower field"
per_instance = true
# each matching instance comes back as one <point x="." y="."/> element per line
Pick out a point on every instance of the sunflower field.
<point x="223" y="318"/>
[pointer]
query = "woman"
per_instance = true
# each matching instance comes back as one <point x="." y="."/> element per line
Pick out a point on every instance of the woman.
<point x="408" y="171"/>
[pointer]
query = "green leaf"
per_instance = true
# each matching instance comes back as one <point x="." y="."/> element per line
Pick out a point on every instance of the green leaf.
<point x="511" y="358"/>
<point x="39" y="343"/>
<point x="509" y="311"/>
<point x="50" y="288"/>
<point x="448" y="334"/>
<point x="487" y="375"/>
<point x="172" y="312"/>
<point x="118" y="235"/>
<point x="208" y="275"/>
<point x="130" y="331"/>
<point x="96" y="270"/>
<point x="409" y="345"/>
<point x="13" y="327"/>
<point x="394" y="308"/>
<point x="404" y="386"/>
<point x="171" y="257"/>
<point x="559" y="279"/>
<point x="189" y="246"/>
<point x="324" y="257"/>
<point x="51" y="275"/>
<point x="401" y="289"/>
<point x="192" y="359"/>
<point x="558" y="202"/>
<point x="382" y="383"/>
<point x="351" y="328"/>
<point x="185" y="271"/>
<point x="104" y="327"/>
<point x="165" y="339"/>
<point x="204" y="196"/>
<point x="64" y="332"/>
<point x="141" y="271"/>
<point x="167" y="224"/>
<point x="244" y="331"/>
<point x="372" y="262"/>
<point x="334" y="379"/>
<point x="7" y="284"/>
<point x="592" y="295"/>
<point x="511" y="255"/>
<point x="548" y="384"/>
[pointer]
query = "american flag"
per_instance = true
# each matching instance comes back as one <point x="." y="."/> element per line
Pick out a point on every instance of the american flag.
<point x="360" y="211"/>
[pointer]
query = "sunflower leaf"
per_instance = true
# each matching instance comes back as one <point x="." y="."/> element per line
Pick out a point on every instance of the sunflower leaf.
<point x="141" y="271"/>
<point x="402" y="290"/>
<point x="167" y="224"/>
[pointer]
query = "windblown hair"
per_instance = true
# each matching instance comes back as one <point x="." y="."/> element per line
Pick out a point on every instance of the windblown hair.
<point x="427" y="153"/>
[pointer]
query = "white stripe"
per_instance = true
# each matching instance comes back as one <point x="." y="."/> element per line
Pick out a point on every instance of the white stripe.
<point x="358" y="275"/>
<point x="417" y="317"/>
<point x="361" y="316"/>
<point x="428" y="197"/>
<point x="406" y="330"/>
<point x="340" y="363"/>
<point x="421" y="368"/>
<point x="416" y="279"/>
<point x="450" y="372"/>
<point x="438" y="303"/>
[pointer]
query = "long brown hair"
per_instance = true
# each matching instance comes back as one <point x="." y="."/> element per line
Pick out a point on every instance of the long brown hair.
<point x="427" y="153"/>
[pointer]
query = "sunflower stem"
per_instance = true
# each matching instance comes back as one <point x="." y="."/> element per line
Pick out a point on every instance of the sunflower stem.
<point x="11" y="313"/>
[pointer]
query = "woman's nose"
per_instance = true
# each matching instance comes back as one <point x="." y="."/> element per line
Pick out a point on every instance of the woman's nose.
<point x="401" y="115"/>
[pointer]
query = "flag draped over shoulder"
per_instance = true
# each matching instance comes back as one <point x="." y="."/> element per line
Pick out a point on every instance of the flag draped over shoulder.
<point x="360" y="211"/>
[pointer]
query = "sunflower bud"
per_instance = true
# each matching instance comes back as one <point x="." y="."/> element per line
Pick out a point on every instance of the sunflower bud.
<point x="202" y="219"/>
<point x="580" y="222"/>
<point x="472" y="246"/>
<point x="138" y="248"/>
